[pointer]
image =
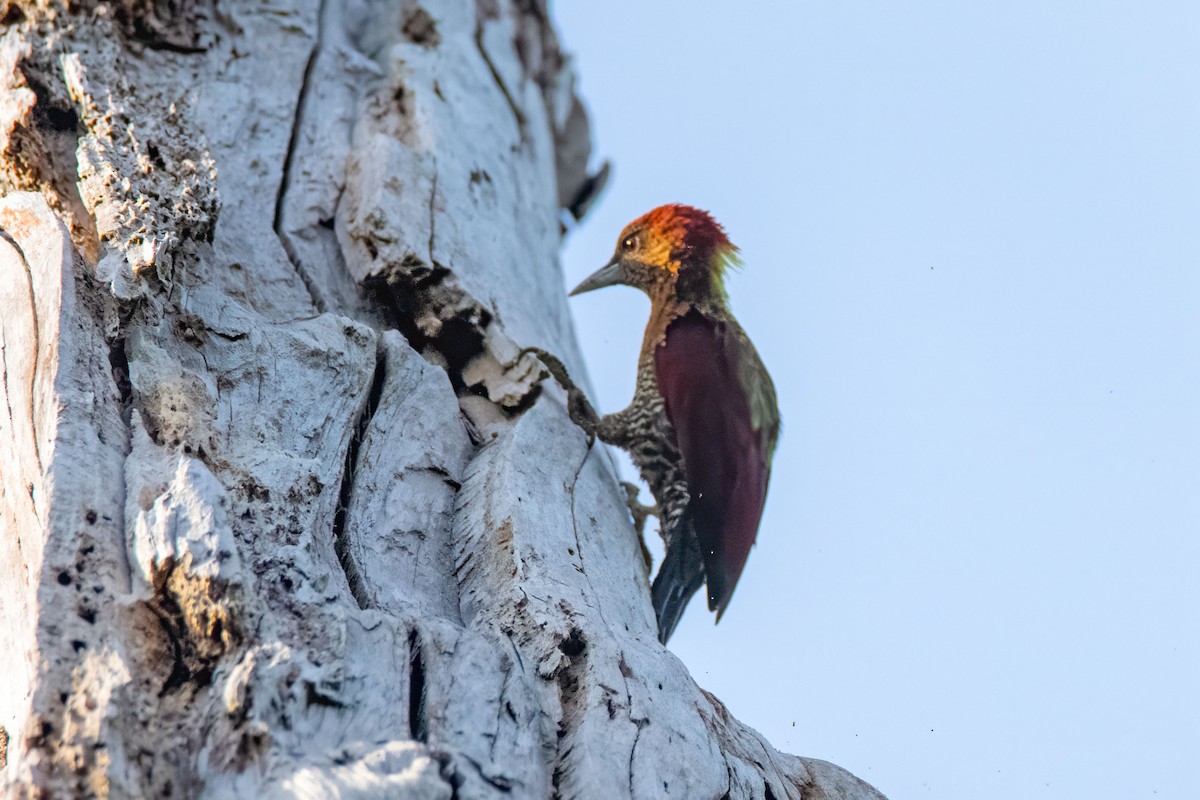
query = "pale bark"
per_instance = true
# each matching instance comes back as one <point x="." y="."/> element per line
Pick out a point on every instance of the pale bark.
<point x="281" y="515"/>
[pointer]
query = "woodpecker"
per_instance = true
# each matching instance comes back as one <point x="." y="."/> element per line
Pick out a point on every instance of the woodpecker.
<point x="703" y="422"/>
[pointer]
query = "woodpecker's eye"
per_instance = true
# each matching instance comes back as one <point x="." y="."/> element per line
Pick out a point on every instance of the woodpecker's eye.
<point x="629" y="244"/>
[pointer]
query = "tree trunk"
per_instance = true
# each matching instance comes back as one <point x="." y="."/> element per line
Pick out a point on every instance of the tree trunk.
<point x="283" y="513"/>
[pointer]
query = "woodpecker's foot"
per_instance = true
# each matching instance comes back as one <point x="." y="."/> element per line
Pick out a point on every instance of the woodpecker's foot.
<point x="639" y="510"/>
<point x="578" y="406"/>
<point x="640" y="513"/>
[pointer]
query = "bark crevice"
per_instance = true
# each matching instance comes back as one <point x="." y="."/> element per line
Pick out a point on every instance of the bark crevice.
<point x="341" y="535"/>
<point x="44" y="147"/>
<point x="320" y="303"/>
<point x="35" y="347"/>
<point x="517" y="114"/>
<point x="417" y="727"/>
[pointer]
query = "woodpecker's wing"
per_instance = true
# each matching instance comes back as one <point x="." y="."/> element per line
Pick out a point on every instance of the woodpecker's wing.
<point x="720" y="400"/>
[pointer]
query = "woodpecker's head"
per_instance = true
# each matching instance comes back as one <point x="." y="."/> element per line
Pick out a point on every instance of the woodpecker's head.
<point x="675" y="248"/>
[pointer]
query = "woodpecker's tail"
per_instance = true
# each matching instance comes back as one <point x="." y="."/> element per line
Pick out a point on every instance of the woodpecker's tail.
<point x="679" y="577"/>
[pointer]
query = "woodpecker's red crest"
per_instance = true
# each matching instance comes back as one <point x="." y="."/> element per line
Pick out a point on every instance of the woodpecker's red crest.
<point x="673" y="234"/>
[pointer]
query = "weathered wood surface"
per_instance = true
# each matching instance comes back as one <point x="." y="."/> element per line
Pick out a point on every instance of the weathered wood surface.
<point x="281" y="515"/>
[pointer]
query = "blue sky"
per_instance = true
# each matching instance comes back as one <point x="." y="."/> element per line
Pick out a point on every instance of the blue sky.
<point x="972" y="245"/>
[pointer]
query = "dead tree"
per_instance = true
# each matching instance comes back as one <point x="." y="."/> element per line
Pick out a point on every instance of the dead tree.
<point x="283" y="514"/>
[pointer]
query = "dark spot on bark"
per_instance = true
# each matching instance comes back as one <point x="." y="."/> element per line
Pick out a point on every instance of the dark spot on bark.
<point x="61" y="120"/>
<point x="313" y="696"/>
<point x="256" y="491"/>
<point x="459" y="341"/>
<point x="574" y="644"/>
<point x="86" y="614"/>
<point x="11" y="15"/>
<point x="118" y="361"/>
<point x="168" y="25"/>
<point x="450" y="773"/>
<point x="251" y="746"/>
<point x="420" y="28"/>
<point x="64" y="578"/>
<point x="155" y="155"/>
<point x="179" y="672"/>
<point x="78" y="644"/>
<point x="203" y="676"/>
<point x="91" y="517"/>
<point x="626" y="670"/>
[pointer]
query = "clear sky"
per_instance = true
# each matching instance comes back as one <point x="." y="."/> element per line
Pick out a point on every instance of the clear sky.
<point x="972" y="243"/>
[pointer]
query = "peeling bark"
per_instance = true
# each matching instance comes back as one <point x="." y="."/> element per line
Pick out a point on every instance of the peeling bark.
<point x="283" y="514"/>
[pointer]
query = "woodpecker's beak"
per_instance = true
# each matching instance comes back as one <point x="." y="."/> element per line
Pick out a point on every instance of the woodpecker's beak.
<point x="609" y="275"/>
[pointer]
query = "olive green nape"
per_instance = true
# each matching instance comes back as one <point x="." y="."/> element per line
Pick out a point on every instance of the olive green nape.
<point x="725" y="259"/>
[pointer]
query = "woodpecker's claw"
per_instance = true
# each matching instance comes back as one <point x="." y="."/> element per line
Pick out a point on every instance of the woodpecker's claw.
<point x="578" y="406"/>
<point x="639" y="510"/>
<point x="552" y="364"/>
<point x="640" y="513"/>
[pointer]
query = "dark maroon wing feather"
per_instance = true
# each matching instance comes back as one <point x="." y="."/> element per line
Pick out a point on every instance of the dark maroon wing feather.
<point x="724" y="459"/>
